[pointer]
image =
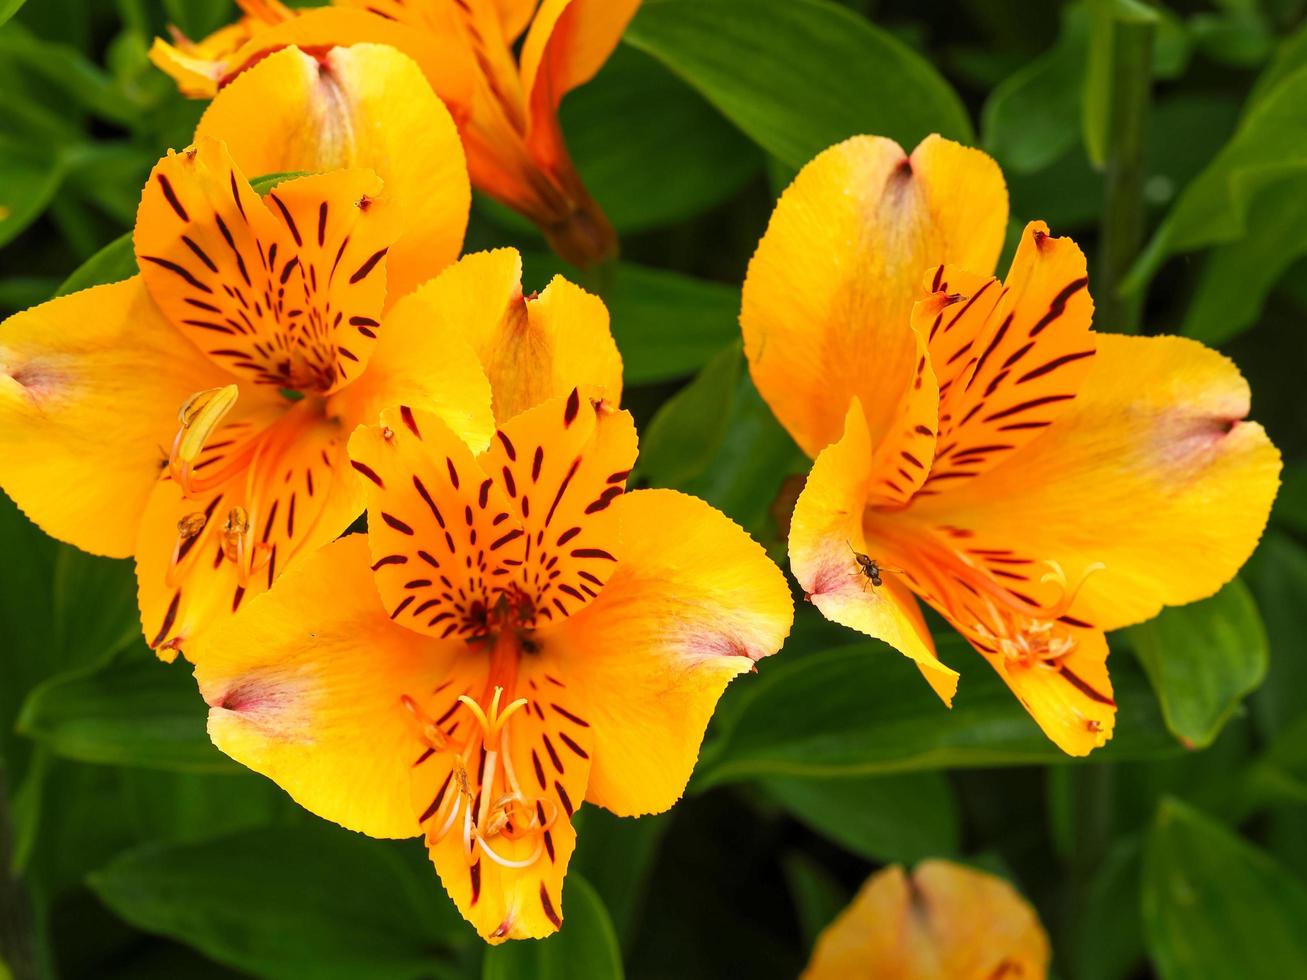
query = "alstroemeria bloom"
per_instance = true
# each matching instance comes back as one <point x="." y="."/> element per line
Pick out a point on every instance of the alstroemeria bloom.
<point x="506" y="107"/>
<point x="515" y="635"/>
<point x="197" y="414"/>
<point x="1034" y="482"/>
<point x="943" y="922"/>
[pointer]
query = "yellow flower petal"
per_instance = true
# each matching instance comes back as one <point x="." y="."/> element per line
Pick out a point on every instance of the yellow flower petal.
<point x="826" y="538"/>
<point x="208" y="547"/>
<point x="532" y="348"/>
<point x="1009" y="356"/>
<point x="305" y="686"/>
<point x="693" y="603"/>
<point x="1150" y="470"/>
<point x="945" y="922"/>
<point x="829" y="293"/>
<point x="361" y="107"/>
<point x="286" y="290"/>
<point x="90" y="385"/>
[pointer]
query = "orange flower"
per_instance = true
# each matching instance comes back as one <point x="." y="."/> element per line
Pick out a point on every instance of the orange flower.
<point x="516" y="634"/>
<point x="196" y="415"/>
<point x="944" y="922"/>
<point x="506" y="107"/>
<point x="976" y="444"/>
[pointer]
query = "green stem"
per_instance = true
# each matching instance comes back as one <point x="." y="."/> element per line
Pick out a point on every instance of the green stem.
<point x="16" y="944"/>
<point x="1091" y="809"/>
<point x="1122" y="228"/>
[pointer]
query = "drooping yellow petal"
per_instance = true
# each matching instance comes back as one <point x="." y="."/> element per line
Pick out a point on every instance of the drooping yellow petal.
<point x="272" y="485"/>
<point x="1010" y="356"/>
<point x="532" y="348"/>
<point x="692" y="603"/>
<point x="945" y="922"/>
<point x="285" y="291"/>
<point x="1151" y="471"/>
<point x="305" y="686"/>
<point x="365" y="106"/>
<point x="498" y="789"/>
<point x="826" y="538"/>
<point x="829" y="293"/>
<point x="90" y="385"/>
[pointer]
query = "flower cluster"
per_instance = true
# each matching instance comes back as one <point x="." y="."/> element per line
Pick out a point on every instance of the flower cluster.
<point x="518" y="632"/>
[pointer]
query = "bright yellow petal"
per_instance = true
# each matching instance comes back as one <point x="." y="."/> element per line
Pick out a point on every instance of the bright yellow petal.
<point x="305" y="686"/>
<point x="1150" y="471"/>
<point x="284" y="291"/>
<point x="533" y="349"/>
<point x="361" y="107"/>
<point x="1009" y="356"/>
<point x="205" y="550"/>
<point x="693" y="603"/>
<point x="826" y="537"/>
<point x="829" y="293"/>
<point x="946" y="922"/>
<point x="90" y="385"/>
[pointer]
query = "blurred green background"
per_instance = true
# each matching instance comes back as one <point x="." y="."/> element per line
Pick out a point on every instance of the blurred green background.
<point x="136" y="850"/>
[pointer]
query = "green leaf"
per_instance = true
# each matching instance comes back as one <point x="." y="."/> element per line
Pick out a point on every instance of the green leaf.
<point x="95" y="613"/>
<point x="818" y="897"/>
<point x="864" y="709"/>
<point x="905" y="817"/>
<point x="306" y="902"/>
<point x="617" y="855"/>
<point x="1269" y="146"/>
<point x="667" y="325"/>
<point x="799" y="75"/>
<point x="686" y="434"/>
<point x="113" y="263"/>
<point x="135" y="712"/>
<point x="1216" y="907"/>
<point x="8" y="8"/>
<point x="68" y="71"/>
<point x="1277" y="574"/>
<point x="586" y="946"/>
<point x="28" y="182"/>
<point x="1109" y="943"/>
<point x="1032" y="118"/>
<point x="625" y="161"/>
<point x="1202" y="659"/>
<point x="26" y="621"/>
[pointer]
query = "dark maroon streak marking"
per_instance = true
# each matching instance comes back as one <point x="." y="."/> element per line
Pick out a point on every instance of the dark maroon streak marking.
<point x="178" y="270"/>
<point x="290" y="222"/>
<point x="1024" y="406"/>
<point x="367" y="471"/>
<point x="572" y="408"/>
<point x="1058" y="306"/>
<point x="1084" y="688"/>
<point x="169" y="618"/>
<point x="390" y="560"/>
<point x="367" y="266"/>
<point x="171" y="196"/>
<point x="1053" y="365"/>
<point x="396" y="523"/>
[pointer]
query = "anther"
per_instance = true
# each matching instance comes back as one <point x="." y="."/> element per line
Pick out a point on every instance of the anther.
<point x="200" y="416"/>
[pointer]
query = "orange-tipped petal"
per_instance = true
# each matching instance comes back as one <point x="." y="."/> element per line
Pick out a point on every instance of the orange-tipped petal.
<point x="209" y="544"/>
<point x="828" y="297"/>
<point x="368" y="107"/>
<point x="826" y="539"/>
<point x="305" y="686"/>
<point x="568" y="43"/>
<point x="1010" y="356"/>
<point x="89" y="390"/>
<point x="532" y="348"/>
<point x="286" y="290"/>
<point x="528" y="524"/>
<point x="693" y="603"/>
<point x="944" y="922"/>
<point x="1151" y="471"/>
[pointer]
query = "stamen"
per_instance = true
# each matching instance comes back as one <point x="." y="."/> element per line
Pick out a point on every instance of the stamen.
<point x="200" y="416"/>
